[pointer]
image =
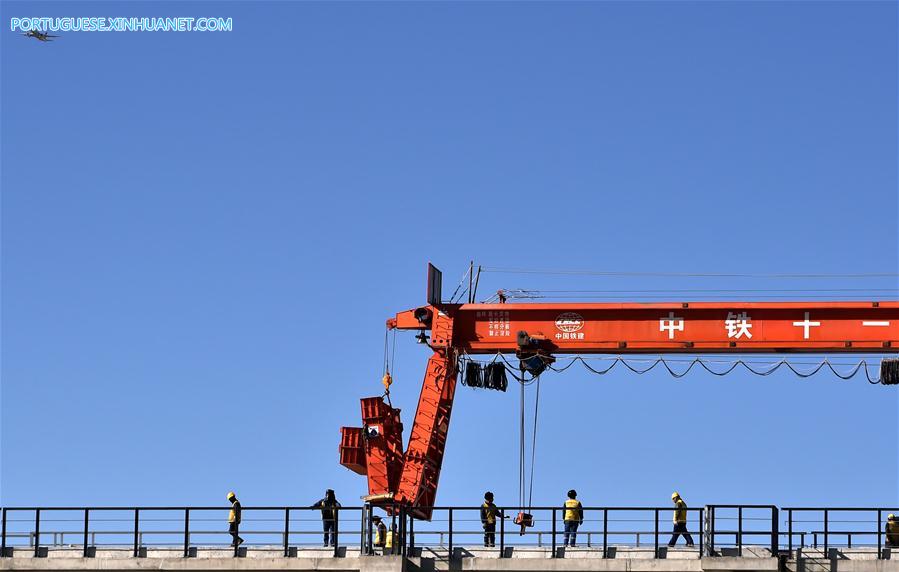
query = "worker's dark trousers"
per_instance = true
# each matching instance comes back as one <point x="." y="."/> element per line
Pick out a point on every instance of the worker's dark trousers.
<point x="680" y="528"/>
<point x="489" y="534"/>
<point x="571" y="532"/>
<point x="232" y="529"/>
<point x="330" y="532"/>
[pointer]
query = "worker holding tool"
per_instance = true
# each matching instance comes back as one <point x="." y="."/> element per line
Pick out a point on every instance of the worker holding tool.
<point x="892" y="530"/>
<point x="234" y="519"/>
<point x="574" y="517"/>
<point x="680" y="520"/>
<point x="489" y="514"/>
<point x="329" y="506"/>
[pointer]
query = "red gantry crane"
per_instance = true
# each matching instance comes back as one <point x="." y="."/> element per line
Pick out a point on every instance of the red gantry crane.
<point x="536" y="332"/>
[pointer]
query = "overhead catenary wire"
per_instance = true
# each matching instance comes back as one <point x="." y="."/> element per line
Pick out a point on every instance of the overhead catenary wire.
<point x="684" y="274"/>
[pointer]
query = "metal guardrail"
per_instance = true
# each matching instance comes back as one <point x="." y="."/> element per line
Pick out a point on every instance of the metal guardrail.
<point x="287" y="528"/>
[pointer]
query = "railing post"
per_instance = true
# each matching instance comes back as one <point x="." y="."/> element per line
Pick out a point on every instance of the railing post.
<point x="790" y="531"/>
<point x="554" y="534"/>
<point x="877" y="528"/>
<point x="605" y="533"/>
<point x="136" y="524"/>
<point x="335" y="533"/>
<point x="186" y="532"/>
<point x="3" y="533"/>
<point x="502" y="534"/>
<point x="403" y="530"/>
<point x="826" y="553"/>
<point x="740" y="531"/>
<point x="450" y="557"/>
<point x="86" y="517"/>
<point x="37" y="532"/>
<point x="775" y="531"/>
<point x="712" y="532"/>
<point x="286" y="532"/>
<point x="656" y="554"/>
<point x="411" y="531"/>
<point x="701" y="530"/>
<point x="363" y="550"/>
<point x="369" y="546"/>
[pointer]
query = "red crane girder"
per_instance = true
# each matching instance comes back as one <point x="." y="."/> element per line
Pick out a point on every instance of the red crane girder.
<point x="585" y="328"/>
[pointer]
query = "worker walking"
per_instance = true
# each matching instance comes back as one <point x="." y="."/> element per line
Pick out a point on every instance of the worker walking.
<point x="680" y="520"/>
<point x="574" y="517"/>
<point x="892" y="530"/>
<point x="234" y="519"/>
<point x="489" y="514"/>
<point x="329" y="506"/>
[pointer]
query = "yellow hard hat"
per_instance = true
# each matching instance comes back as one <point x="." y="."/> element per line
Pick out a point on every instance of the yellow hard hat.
<point x="675" y="495"/>
<point x="231" y="495"/>
<point x="891" y="517"/>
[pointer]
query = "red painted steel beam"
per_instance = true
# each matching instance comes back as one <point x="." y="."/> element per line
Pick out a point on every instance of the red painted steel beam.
<point x="689" y="327"/>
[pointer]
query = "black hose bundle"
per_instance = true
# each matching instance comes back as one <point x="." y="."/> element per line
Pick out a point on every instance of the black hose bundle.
<point x="473" y="375"/>
<point x="889" y="371"/>
<point x="495" y="376"/>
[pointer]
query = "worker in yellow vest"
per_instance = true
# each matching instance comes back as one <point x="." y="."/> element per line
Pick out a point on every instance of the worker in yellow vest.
<point x="380" y="531"/>
<point x="680" y="520"/>
<point x="573" y="517"/>
<point x="892" y="530"/>
<point x="489" y="514"/>
<point x="391" y="542"/>
<point x="234" y="519"/>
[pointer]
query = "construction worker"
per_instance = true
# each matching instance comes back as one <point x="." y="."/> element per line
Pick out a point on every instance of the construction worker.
<point x="234" y="519"/>
<point x="680" y="520"/>
<point x="329" y="506"/>
<point x="574" y="517"/>
<point x="489" y="514"/>
<point x="390" y="543"/>
<point x="892" y="530"/>
<point x="380" y="531"/>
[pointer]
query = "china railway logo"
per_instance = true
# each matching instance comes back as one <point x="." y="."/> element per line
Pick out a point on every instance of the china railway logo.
<point x="569" y="322"/>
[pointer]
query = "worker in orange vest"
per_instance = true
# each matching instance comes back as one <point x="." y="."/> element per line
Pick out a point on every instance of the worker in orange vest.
<point x="680" y="520"/>
<point x="573" y="517"/>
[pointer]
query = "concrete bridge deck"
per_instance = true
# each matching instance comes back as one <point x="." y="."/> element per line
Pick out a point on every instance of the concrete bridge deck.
<point x="754" y="559"/>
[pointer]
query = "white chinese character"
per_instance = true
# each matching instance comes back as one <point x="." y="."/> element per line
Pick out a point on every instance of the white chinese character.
<point x="805" y="325"/>
<point x="671" y="324"/>
<point x="558" y="336"/>
<point x="738" y="325"/>
<point x="580" y="335"/>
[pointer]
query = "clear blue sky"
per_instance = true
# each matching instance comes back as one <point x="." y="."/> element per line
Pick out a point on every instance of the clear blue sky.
<point x="202" y="235"/>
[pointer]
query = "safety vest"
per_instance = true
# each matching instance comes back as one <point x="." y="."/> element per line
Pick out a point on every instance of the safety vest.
<point x="234" y="513"/>
<point x="572" y="510"/>
<point x="382" y="532"/>
<point x="390" y="537"/>
<point x="680" y="513"/>
<point x="488" y="513"/>
<point x="892" y="530"/>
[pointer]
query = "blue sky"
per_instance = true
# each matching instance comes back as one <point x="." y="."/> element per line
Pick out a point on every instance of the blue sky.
<point x="202" y="235"/>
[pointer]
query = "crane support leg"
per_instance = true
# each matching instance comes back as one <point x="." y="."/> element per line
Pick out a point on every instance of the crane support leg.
<point x="427" y="442"/>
